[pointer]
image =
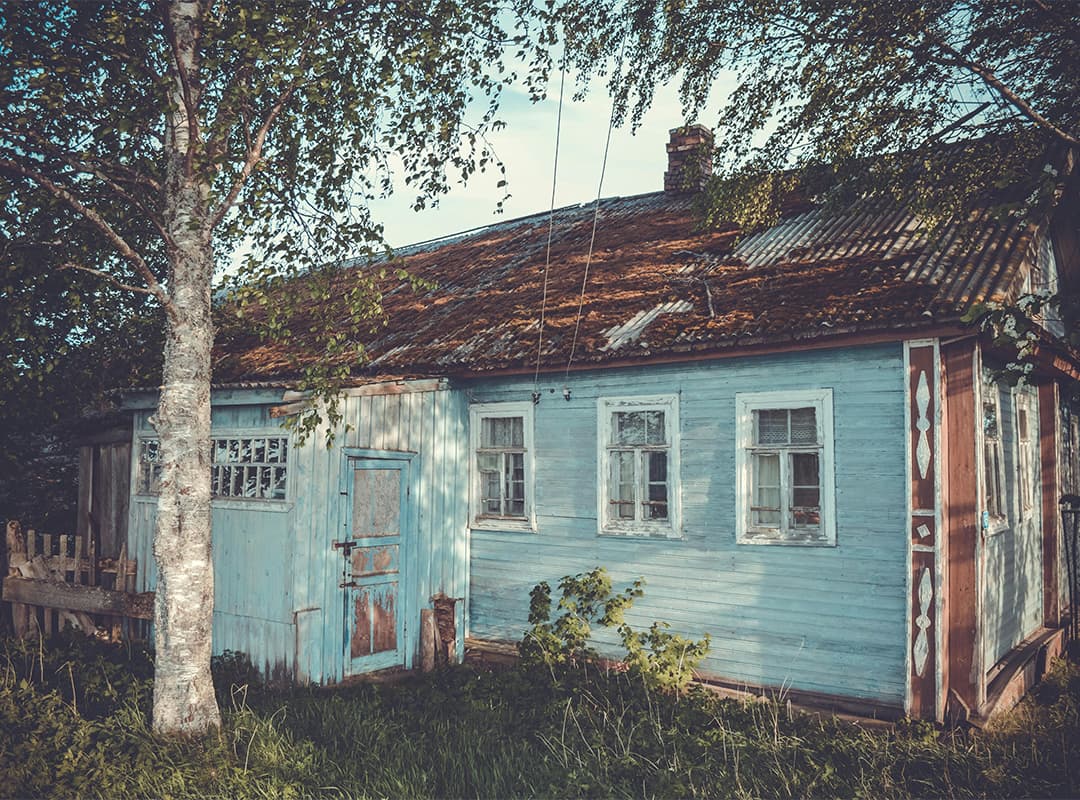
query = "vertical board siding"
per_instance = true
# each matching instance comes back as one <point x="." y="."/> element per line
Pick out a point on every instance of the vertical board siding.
<point x="422" y="424"/>
<point x="824" y="619"/>
<point x="277" y="593"/>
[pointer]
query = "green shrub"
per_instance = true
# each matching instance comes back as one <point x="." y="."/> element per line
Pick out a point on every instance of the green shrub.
<point x="662" y="660"/>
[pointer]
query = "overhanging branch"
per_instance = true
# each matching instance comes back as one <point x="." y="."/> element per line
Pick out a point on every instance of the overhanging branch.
<point x="99" y="222"/>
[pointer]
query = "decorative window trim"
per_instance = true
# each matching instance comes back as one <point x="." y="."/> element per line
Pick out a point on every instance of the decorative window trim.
<point x="276" y="467"/>
<point x="477" y="413"/>
<point x="671" y="528"/>
<point x="991" y="393"/>
<point x="746" y="403"/>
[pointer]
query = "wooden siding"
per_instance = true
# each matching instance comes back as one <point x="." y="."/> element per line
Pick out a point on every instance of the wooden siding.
<point x="277" y="594"/>
<point x="961" y="527"/>
<point x="104" y="472"/>
<point x="823" y="619"/>
<point x="432" y="426"/>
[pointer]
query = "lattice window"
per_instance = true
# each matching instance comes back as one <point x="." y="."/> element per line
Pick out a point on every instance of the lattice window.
<point x="243" y="467"/>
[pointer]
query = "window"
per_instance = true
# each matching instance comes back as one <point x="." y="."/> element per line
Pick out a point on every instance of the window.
<point x="1025" y="452"/>
<point x="242" y="467"/>
<point x="502" y="466"/>
<point x="639" y="470"/>
<point x="993" y="455"/>
<point x="784" y="459"/>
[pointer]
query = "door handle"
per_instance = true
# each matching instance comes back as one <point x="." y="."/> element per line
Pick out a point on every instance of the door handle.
<point x="345" y="547"/>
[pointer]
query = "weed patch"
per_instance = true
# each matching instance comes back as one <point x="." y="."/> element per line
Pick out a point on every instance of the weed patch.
<point x="74" y="723"/>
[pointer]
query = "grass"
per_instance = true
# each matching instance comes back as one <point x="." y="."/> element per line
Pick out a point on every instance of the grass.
<point x="74" y="722"/>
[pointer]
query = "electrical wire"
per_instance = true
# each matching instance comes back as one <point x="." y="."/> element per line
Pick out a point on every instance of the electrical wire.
<point x="551" y="229"/>
<point x="592" y="237"/>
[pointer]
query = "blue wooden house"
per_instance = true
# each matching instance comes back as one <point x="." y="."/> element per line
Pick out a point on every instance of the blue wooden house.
<point x="793" y="437"/>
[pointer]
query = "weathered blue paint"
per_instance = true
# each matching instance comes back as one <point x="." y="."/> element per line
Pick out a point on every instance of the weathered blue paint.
<point x="816" y="619"/>
<point x="277" y="594"/>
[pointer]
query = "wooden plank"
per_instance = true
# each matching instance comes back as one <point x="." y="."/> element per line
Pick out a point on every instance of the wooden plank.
<point x="961" y="527"/>
<point x="86" y="482"/>
<point x="47" y="613"/>
<point x="1051" y="490"/>
<point x="92" y="599"/>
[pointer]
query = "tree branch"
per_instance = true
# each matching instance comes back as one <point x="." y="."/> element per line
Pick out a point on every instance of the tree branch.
<point x="95" y="219"/>
<point x="106" y="276"/>
<point x="957" y="59"/>
<point x="254" y="155"/>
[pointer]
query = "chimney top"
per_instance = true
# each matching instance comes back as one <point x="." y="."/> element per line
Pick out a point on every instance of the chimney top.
<point x="689" y="158"/>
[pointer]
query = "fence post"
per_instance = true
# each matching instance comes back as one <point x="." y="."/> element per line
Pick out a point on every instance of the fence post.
<point x="1070" y="529"/>
<point x="16" y="555"/>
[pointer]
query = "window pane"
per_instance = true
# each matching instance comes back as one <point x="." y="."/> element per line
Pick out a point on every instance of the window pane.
<point x="772" y="426"/>
<point x="1022" y="424"/>
<point x="497" y="432"/>
<point x="621" y="488"/>
<point x="804" y="469"/>
<point x="990" y="421"/>
<point x="657" y="466"/>
<point x="278" y="490"/>
<point x="516" y="466"/>
<point x="803" y="426"/>
<point x="766" y="490"/>
<point x="654" y="427"/>
<point x="628" y="427"/>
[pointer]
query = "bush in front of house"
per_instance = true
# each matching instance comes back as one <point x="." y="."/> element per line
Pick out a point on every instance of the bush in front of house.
<point x="662" y="660"/>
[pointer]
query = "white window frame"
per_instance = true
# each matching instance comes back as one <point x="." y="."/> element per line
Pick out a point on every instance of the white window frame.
<point x="990" y="390"/>
<point x="478" y="521"/>
<point x="1027" y="488"/>
<point x="230" y="501"/>
<point x="671" y="528"/>
<point x="746" y="403"/>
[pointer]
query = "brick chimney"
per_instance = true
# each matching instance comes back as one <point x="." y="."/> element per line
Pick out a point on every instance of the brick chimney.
<point x="689" y="159"/>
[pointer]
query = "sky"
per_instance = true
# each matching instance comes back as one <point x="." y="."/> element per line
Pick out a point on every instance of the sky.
<point x="636" y="164"/>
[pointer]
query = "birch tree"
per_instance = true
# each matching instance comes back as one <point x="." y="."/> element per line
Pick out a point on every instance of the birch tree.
<point x="143" y="141"/>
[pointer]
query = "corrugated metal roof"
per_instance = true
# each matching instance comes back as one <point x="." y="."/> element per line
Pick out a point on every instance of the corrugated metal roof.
<point x="659" y="283"/>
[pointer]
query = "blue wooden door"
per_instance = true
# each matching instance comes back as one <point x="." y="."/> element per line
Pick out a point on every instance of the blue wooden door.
<point x="377" y="533"/>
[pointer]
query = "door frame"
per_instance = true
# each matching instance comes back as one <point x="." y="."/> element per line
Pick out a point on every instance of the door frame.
<point x="352" y="458"/>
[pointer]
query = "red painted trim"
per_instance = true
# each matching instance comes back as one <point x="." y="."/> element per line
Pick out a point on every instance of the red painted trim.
<point x="961" y="531"/>
<point x="921" y="421"/>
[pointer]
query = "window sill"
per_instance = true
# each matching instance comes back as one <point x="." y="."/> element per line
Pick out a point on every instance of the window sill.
<point x="654" y="534"/>
<point x="269" y="506"/>
<point x="773" y="539"/>
<point x="503" y="526"/>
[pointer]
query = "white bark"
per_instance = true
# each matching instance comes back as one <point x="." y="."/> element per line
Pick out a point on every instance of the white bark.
<point x="183" y="691"/>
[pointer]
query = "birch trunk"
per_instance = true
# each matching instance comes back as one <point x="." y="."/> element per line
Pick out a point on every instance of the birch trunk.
<point x="183" y="690"/>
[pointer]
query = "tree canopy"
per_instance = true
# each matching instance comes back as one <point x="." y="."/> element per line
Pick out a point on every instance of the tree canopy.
<point x="143" y="141"/>
<point x="851" y="95"/>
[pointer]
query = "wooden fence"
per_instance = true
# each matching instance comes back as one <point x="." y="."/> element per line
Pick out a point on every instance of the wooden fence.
<point x="51" y="583"/>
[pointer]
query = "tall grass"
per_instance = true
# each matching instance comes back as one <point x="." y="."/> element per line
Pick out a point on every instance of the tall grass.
<point x="74" y="722"/>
